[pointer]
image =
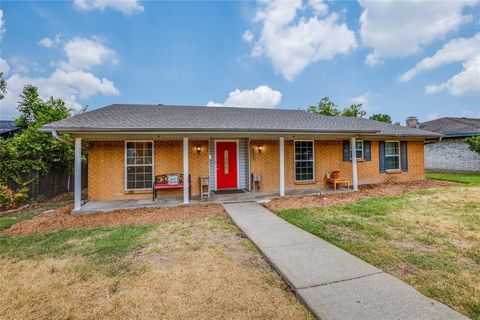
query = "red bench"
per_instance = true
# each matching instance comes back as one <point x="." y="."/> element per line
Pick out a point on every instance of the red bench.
<point x="161" y="183"/>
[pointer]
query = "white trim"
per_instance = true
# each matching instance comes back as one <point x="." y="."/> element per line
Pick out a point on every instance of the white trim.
<point x="294" y="161"/>
<point x="186" y="180"/>
<point x="125" y="164"/>
<point x="78" y="174"/>
<point x="237" y="141"/>
<point x="399" y="156"/>
<point x="249" y="165"/>
<point x="353" y="147"/>
<point x="282" y="166"/>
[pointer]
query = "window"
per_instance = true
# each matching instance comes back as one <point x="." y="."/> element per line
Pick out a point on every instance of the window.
<point x="392" y="155"/>
<point x="358" y="147"/>
<point x="304" y="161"/>
<point x="139" y="165"/>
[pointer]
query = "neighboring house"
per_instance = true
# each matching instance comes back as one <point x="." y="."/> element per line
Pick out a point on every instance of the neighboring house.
<point x="8" y="128"/>
<point x="451" y="153"/>
<point x="288" y="149"/>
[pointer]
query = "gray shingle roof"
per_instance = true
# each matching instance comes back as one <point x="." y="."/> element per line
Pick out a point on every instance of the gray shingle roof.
<point x="456" y="127"/>
<point x="162" y="118"/>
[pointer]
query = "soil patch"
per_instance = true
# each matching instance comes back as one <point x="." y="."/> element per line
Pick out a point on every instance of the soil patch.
<point x="365" y="191"/>
<point x="62" y="218"/>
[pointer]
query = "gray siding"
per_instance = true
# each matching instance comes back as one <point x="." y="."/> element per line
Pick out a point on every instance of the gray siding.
<point x="244" y="161"/>
<point x="451" y="156"/>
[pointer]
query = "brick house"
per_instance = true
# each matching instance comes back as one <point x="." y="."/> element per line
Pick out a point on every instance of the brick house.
<point x="128" y="145"/>
<point x="450" y="153"/>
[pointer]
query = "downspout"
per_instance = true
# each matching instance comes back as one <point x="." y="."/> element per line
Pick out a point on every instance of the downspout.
<point x="61" y="139"/>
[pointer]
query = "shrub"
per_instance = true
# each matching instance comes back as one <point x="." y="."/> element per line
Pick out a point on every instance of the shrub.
<point x="10" y="199"/>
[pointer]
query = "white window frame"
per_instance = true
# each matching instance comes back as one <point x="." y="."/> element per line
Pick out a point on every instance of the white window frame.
<point x="398" y="155"/>
<point x="362" y="149"/>
<point x="295" y="161"/>
<point x="135" y="165"/>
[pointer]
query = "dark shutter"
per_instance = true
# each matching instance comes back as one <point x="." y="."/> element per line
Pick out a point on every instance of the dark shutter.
<point x="346" y="150"/>
<point x="404" y="153"/>
<point x="367" y="151"/>
<point x="381" y="147"/>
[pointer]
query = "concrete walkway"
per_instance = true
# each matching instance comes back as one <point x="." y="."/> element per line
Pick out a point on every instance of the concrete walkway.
<point x="332" y="283"/>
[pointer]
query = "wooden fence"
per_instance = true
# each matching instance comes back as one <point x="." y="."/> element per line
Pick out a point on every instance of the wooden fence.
<point x="57" y="181"/>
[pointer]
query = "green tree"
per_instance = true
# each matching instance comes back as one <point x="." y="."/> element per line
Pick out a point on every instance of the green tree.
<point x="32" y="150"/>
<point x="355" y="110"/>
<point x="325" y="107"/>
<point x="3" y="86"/>
<point x="382" y="117"/>
<point x="474" y="143"/>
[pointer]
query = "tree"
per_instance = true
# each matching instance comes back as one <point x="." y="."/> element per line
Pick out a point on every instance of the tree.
<point x="355" y="110"/>
<point x="32" y="150"/>
<point x="474" y="143"/>
<point x="382" y="117"/>
<point x="325" y="107"/>
<point x="3" y="86"/>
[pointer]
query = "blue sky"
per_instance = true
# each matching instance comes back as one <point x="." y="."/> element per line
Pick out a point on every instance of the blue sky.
<point x="284" y="54"/>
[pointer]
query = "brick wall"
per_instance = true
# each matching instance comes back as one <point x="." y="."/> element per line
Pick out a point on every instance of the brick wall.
<point x="106" y="168"/>
<point x="328" y="157"/>
<point x="451" y="155"/>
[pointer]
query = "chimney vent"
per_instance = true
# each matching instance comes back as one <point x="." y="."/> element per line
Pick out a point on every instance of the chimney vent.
<point x="412" y="122"/>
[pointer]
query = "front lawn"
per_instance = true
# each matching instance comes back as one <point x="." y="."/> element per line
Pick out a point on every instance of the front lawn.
<point x="428" y="238"/>
<point x="198" y="268"/>
<point x="469" y="178"/>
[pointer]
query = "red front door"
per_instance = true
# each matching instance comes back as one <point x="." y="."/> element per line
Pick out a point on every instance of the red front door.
<point x="226" y="165"/>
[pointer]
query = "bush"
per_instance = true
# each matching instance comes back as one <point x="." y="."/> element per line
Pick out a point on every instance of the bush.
<point x="474" y="143"/>
<point x="9" y="199"/>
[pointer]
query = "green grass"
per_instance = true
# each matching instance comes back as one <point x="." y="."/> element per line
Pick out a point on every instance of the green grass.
<point x="428" y="238"/>
<point x="104" y="247"/>
<point x="469" y="178"/>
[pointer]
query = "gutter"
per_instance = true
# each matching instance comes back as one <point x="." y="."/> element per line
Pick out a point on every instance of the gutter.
<point x="62" y="140"/>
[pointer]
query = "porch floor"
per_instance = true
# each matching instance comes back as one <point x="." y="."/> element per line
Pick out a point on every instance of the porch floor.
<point x="246" y="196"/>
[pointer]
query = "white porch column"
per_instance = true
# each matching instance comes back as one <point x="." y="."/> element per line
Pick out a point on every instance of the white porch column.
<point x="185" y="170"/>
<point x="78" y="174"/>
<point x="354" y="164"/>
<point x="282" y="166"/>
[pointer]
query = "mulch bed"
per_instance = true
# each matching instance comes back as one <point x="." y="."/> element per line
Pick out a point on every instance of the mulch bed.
<point x="62" y="218"/>
<point x="365" y="191"/>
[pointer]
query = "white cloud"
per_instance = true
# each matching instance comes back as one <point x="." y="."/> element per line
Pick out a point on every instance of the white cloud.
<point x="465" y="82"/>
<point x="248" y="36"/>
<point x="4" y="67"/>
<point x="363" y="99"/>
<point x="85" y="53"/>
<point x="293" y="41"/>
<point x="261" y="97"/>
<point x="70" y="81"/>
<point x="432" y="116"/>
<point x="50" y="42"/>
<point x="399" y="28"/>
<point x="2" y="25"/>
<point x="127" y="7"/>
<point x="455" y="50"/>
<point x="318" y="6"/>
<point x="46" y="42"/>
<point x="465" y="50"/>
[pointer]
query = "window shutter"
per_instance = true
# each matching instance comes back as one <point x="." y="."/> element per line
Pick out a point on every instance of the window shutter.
<point x="346" y="150"/>
<point x="404" y="153"/>
<point x="381" y="147"/>
<point x="367" y="153"/>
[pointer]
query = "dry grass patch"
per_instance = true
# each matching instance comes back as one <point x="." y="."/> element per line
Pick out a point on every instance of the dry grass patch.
<point x="61" y="218"/>
<point x="197" y="269"/>
<point x="428" y="238"/>
<point x="365" y="192"/>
